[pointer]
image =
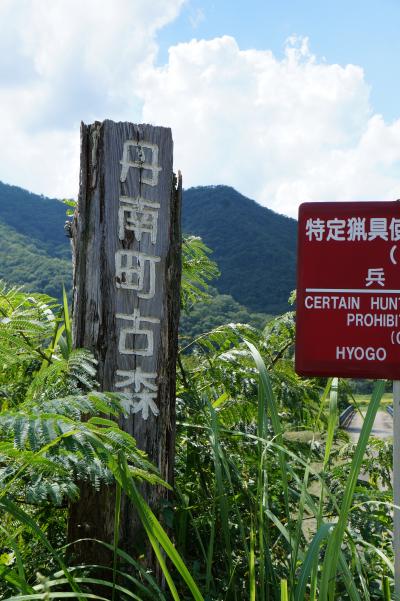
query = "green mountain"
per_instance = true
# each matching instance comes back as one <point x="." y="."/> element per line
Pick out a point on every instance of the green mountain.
<point x="39" y="218"/>
<point x="218" y="310"/>
<point x="33" y="248"/>
<point x="254" y="247"/>
<point x="22" y="261"/>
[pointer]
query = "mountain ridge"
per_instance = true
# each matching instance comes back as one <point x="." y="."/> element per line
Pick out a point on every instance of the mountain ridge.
<point x="254" y="247"/>
<point x="52" y="213"/>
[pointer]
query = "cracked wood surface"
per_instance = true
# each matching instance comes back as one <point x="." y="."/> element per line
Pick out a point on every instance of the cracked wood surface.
<point x="98" y="300"/>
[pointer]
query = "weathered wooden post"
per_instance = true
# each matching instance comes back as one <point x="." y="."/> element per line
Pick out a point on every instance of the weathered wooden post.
<point x="126" y="240"/>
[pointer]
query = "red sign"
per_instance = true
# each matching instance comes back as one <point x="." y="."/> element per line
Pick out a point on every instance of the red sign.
<point x="348" y="290"/>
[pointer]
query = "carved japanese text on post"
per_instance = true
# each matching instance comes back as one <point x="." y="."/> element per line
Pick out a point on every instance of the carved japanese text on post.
<point x="136" y="276"/>
<point x="135" y="156"/>
<point x="142" y="388"/>
<point x="138" y="215"/>
<point x="126" y="239"/>
<point x="136" y="271"/>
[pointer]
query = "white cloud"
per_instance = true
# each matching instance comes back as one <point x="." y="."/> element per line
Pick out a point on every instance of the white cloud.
<point x="63" y="62"/>
<point x="196" y="17"/>
<point x="280" y="131"/>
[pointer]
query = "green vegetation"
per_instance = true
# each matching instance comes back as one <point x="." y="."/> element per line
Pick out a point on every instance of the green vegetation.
<point x="362" y="400"/>
<point x="217" y="310"/>
<point x="53" y="435"/>
<point x="38" y="218"/>
<point x="267" y="503"/>
<point x="34" y="250"/>
<point x="22" y="261"/>
<point x="254" y="247"/>
<point x="202" y="308"/>
<point x="256" y="513"/>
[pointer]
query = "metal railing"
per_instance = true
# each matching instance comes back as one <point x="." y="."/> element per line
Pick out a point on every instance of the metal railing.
<point x="346" y="416"/>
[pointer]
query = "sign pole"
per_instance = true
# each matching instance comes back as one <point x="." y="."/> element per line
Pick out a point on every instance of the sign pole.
<point x="126" y="242"/>
<point x="396" y="487"/>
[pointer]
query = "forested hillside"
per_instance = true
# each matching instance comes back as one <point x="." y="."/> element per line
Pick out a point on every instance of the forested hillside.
<point x="217" y="310"/>
<point x="33" y="248"/>
<point x="24" y="261"/>
<point x="253" y="246"/>
<point x="39" y="218"/>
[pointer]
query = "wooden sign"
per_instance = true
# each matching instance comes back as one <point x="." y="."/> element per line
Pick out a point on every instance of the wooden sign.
<point x="126" y="288"/>
<point x="348" y="290"/>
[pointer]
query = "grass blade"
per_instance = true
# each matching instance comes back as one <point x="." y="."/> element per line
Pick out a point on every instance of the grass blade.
<point x="311" y="560"/>
<point x="27" y="521"/>
<point x="252" y="567"/>
<point x="349" y="581"/>
<point x="328" y="584"/>
<point x="67" y="321"/>
<point x="156" y="533"/>
<point x="270" y="404"/>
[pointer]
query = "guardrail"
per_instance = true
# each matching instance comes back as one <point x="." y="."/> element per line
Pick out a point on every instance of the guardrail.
<point x="389" y="409"/>
<point x="346" y="416"/>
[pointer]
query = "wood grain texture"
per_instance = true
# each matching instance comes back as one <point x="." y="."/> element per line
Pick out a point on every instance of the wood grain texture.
<point x="98" y="300"/>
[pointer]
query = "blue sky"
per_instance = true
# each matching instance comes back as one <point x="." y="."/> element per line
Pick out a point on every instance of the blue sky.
<point x="286" y="102"/>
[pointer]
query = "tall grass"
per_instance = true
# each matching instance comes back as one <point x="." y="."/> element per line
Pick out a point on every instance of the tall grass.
<point x="276" y="558"/>
<point x="240" y="526"/>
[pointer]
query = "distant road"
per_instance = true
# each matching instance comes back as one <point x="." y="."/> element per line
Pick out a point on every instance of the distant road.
<point x="382" y="428"/>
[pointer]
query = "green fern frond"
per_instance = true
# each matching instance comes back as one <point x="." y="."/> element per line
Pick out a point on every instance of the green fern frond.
<point x="25" y="323"/>
<point x="55" y="449"/>
<point x="63" y="376"/>
<point x="197" y="270"/>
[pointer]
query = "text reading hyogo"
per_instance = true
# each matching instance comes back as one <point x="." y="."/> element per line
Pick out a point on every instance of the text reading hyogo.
<point x="353" y="229"/>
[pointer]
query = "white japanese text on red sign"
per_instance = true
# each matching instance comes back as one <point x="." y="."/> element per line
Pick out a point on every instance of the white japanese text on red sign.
<point x="353" y="229"/>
